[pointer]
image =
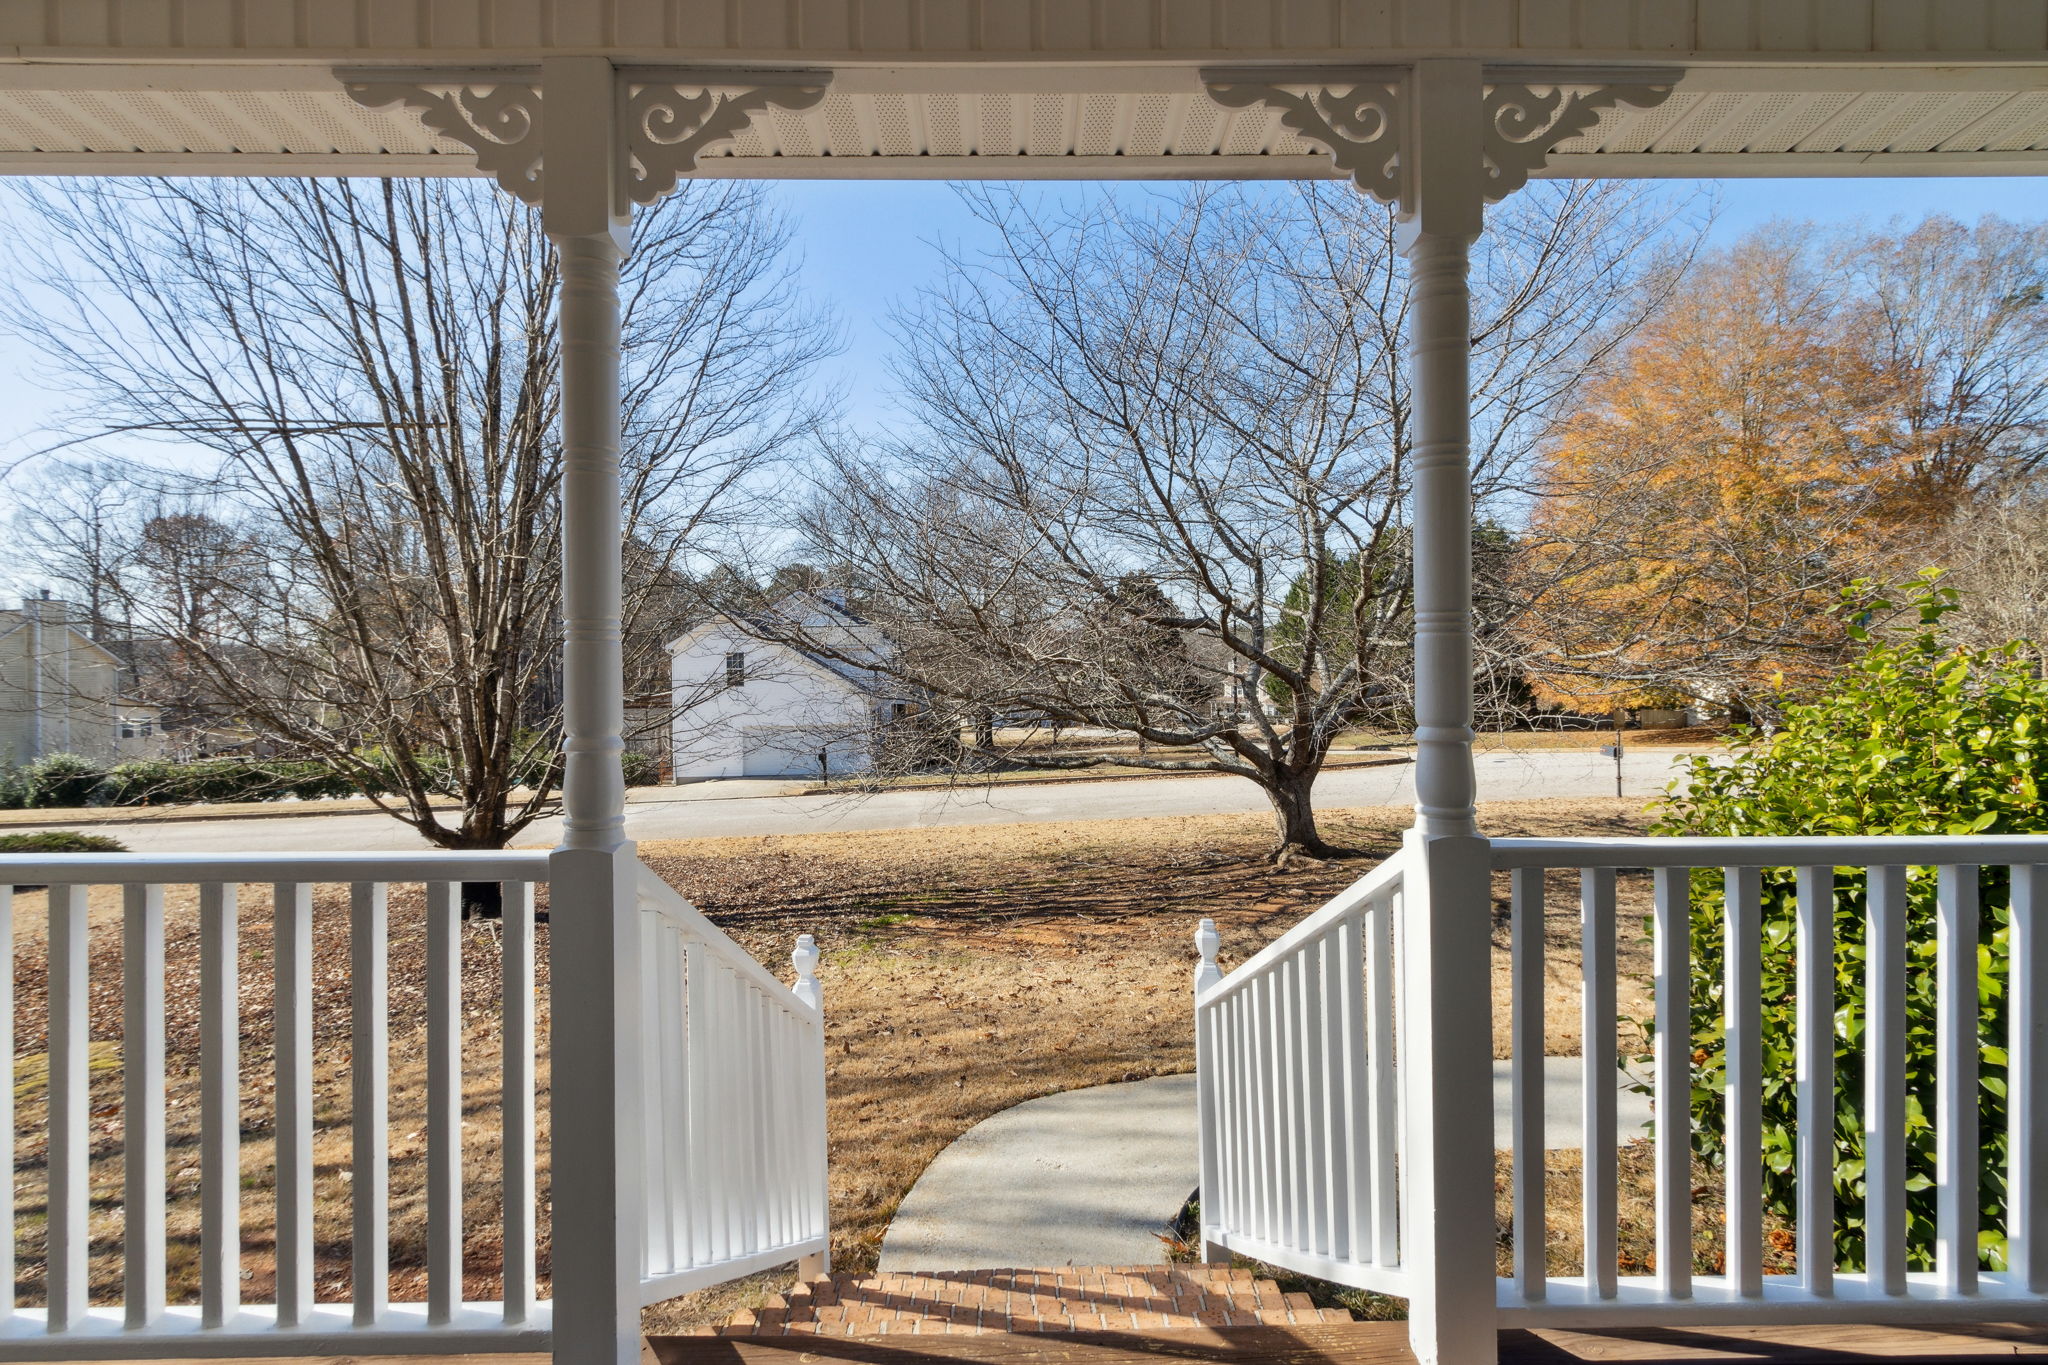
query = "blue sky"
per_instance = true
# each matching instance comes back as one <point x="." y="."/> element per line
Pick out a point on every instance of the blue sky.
<point x="865" y="245"/>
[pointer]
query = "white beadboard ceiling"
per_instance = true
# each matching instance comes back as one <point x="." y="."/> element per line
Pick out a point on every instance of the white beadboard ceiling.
<point x="1156" y="123"/>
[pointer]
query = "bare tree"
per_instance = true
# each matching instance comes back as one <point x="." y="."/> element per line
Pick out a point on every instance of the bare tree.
<point x="1207" y="396"/>
<point x="368" y="373"/>
<point x="77" y="534"/>
<point x="1996" y="554"/>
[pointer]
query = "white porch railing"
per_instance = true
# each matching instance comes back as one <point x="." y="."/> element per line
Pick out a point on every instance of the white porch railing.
<point x="735" y="1119"/>
<point x="1299" y="1120"/>
<point x="733" y="1073"/>
<point x="1303" y="1133"/>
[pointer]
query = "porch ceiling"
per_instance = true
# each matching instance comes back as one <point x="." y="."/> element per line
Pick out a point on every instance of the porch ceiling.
<point x="1035" y="121"/>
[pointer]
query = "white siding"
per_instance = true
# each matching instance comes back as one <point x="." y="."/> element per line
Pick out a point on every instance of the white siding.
<point x="774" y="723"/>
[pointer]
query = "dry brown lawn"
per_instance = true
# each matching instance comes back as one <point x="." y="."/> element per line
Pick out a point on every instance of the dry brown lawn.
<point x="965" y="970"/>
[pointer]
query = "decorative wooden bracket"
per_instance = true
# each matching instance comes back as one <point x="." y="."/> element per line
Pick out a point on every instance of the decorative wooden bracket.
<point x="1359" y="115"/>
<point x="667" y="118"/>
<point x="671" y="118"/>
<point x="1527" y="119"/>
<point x="495" y="114"/>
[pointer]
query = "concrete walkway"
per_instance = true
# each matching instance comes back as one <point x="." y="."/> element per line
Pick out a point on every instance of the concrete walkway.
<point x="1092" y="1177"/>
<point x="749" y="807"/>
<point x="1086" y="1177"/>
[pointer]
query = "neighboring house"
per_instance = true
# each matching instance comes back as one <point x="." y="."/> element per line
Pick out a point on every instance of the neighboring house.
<point x="139" y="730"/>
<point x="747" y="705"/>
<point x="58" y="687"/>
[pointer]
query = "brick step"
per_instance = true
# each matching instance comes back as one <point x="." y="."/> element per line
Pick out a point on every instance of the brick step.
<point x="1067" y="1299"/>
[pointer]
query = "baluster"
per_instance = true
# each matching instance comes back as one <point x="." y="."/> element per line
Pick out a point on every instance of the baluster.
<point x="784" y="1123"/>
<point x="1243" y="1200"/>
<point x="1219" y="1192"/>
<point x="220" y="1105"/>
<point x="1260" y="1109"/>
<point x="1955" y="1072"/>
<point x="1288" y="1034"/>
<point x="696" y="992"/>
<point x="669" y="1102"/>
<point x="1357" y="1092"/>
<point x="2026" y="1134"/>
<point x="444" y="1101"/>
<point x="1673" y="950"/>
<point x="1597" y="1075"/>
<point x="755" y="1099"/>
<point x="518" y="1139"/>
<point x="292" y="993"/>
<point x="1815" y="1069"/>
<point x="658" y="1203"/>
<point x="369" y="1082"/>
<point x="1309" y="1026"/>
<point x="142" y="1105"/>
<point x="7" y="1098"/>
<point x="1884" y="1061"/>
<point x="816" y="1157"/>
<point x="724" y="1193"/>
<point x="1384" y="1077"/>
<point x="1532" y="1270"/>
<point x="1742" y="1096"/>
<point x="69" y="1108"/>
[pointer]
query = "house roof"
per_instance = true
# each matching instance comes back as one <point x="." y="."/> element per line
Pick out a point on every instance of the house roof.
<point x="997" y="88"/>
<point x="12" y="621"/>
<point x="759" y="626"/>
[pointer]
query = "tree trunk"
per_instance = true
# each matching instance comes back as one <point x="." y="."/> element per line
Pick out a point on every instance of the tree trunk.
<point x="1294" y="815"/>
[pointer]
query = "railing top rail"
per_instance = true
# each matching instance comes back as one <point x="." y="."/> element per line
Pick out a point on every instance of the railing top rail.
<point x="665" y="900"/>
<point x="1872" y="850"/>
<point x="1380" y="880"/>
<point x="506" y="865"/>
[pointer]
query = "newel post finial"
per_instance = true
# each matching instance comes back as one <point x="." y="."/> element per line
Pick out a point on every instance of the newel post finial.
<point x="805" y="960"/>
<point x="1207" y="940"/>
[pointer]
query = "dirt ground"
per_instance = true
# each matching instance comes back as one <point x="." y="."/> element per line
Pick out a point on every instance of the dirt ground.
<point x="965" y="970"/>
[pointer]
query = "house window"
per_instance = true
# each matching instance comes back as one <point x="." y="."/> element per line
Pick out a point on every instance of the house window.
<point x="127" y="730"/>
<point x="735" y="669"/>
<point x="901" y="709"/>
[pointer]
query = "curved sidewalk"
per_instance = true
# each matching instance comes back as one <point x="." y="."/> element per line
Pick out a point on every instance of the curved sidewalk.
<point x="1092" y="1177"/>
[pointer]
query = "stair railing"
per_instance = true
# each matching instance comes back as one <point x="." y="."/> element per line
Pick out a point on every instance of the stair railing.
<point x="1299" y="1111"/>
<point x="734" y="1105"/>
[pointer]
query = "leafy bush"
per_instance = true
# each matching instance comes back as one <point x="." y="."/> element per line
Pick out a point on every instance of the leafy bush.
<point x="58" y="780"/>
<point x="159" y="781"/>
<point x="60" y="841"/>
<point x="1914" y="738"/>
<point x="641" y="769"/>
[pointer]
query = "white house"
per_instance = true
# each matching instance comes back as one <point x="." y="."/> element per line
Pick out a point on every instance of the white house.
<point x="59" y="691"/>
<point x="747" y="704"/>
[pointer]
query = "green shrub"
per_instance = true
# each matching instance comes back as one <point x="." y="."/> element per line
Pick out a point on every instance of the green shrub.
<point x="1914" y="738"/>
<point x="60" y="841"/>
<point x="641" y="769"/>
<point x="59" y="780"/>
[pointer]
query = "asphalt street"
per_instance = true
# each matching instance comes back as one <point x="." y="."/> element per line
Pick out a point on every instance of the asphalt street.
<point x="709" y="810"/>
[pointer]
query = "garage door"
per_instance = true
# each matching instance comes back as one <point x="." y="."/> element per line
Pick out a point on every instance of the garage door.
<point x="794" y="753"/>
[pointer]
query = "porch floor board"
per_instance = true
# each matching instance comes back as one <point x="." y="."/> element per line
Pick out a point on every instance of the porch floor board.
<point x="1353" y="1343"/>
<point x="1375" y="1343"/>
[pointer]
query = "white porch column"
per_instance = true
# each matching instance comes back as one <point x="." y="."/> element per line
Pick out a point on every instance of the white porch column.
<point x="594" y="947"/>
<point x="1442" y="212"/>
<point x="1448" y="1222"/>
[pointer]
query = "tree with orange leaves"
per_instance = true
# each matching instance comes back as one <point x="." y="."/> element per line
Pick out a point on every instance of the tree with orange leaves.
<point x="1805" y="410"/>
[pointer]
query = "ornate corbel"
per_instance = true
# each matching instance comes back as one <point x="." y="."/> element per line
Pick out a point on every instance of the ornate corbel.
<point x="1527" y="118"/>
<point x="671" y="118"/>
<point x="667" y="118"/>
<point x="496" y="117"/>
<point x="1357" y="115"/>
